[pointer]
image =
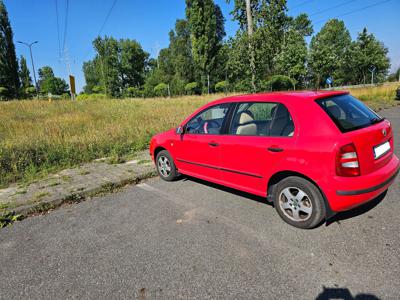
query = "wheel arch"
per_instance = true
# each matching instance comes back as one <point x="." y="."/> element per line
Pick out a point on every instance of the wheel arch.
<point x="157" y="150"/>
<point x="278" y="176"/>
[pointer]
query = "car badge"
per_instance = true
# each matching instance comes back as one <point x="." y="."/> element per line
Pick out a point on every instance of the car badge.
<point x="384" y="132"/>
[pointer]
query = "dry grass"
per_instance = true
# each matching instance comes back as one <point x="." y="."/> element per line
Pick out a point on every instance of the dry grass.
<point x="40" y="136"/>
<point x="377" y="97"/>
<point x="37" y="137"/>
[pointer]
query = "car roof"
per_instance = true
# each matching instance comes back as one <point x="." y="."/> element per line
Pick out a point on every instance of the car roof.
<point x="281" y="96"/>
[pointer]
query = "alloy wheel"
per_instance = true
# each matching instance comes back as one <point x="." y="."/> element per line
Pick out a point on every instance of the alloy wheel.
<point x="164" y="166"/>
<point x="295" y="204"/>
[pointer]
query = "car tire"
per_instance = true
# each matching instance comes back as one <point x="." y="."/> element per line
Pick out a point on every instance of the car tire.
<point x="165" y="166"/>
<point x="299" y="202"/>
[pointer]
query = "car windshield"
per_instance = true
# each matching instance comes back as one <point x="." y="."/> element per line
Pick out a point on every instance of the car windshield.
<point x="348" y="113"/>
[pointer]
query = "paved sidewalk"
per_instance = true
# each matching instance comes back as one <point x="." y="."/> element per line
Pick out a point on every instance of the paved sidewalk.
<point x="74" y="185"/>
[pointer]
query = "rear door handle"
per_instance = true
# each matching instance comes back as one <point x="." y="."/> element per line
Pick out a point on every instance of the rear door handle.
<point x="275" y="149"/>
<point x="213" y="144"/>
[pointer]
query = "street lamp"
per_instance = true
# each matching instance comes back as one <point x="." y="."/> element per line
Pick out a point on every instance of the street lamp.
<point x="33" y="65"/>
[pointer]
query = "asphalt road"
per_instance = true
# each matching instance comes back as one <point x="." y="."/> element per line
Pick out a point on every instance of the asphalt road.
<point x="189" y="239"/>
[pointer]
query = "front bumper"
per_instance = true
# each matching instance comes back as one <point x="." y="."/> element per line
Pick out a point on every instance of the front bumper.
<point x="349" y="192"/>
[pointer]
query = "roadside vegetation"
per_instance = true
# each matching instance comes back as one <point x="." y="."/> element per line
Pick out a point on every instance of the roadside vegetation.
<point x="269" y="51"/>
<point x="40" y="136"/>
<point x="37" y="137"/>
<point x="377" y="97"/>
<point x="117" y="111"/>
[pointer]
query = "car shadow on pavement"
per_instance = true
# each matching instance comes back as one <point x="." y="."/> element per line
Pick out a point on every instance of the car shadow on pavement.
<point x="228" y="190"/>
<point x="342" y="294"/>
<point x="357" y="211"/>
<point x="335" y="218"/>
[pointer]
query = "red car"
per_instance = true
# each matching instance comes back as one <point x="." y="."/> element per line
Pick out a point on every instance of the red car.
<point x="310" y="153"/>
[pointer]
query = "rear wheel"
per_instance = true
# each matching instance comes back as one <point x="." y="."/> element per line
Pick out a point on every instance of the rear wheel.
<point x="165" y="166"/>
<point x="299" y="202"/>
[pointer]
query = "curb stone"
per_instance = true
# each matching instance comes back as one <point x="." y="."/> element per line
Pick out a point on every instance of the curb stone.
<point x="74" y="185"/>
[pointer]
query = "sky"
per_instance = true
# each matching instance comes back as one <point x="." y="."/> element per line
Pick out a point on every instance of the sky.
<point x="149" y="22"/>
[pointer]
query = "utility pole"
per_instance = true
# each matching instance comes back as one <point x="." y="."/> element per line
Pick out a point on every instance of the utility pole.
<point x="71" y="77"/>
<point x="33" y="65"/>
<point x="251" y="48"/>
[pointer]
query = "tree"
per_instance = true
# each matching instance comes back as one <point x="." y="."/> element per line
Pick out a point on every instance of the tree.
<point x="133" y="61"/>
<point x="291" y="61"/>
<point x="368" y="53"/>
<point x="48" y="83"/>
<point x="329" y="52"/>
<point x="92" y="73"/>
<point x="118" y="65"/>
<point x="8" y="60"/>
<point x="301" y="24"/>
<point x="24" y="75"/>
<point x="107" y="56"/>
<point x="181" y="52"/>
<point x="264" y="42"/>
<point x="395" y="76"/>
<point x="206" y="28"/>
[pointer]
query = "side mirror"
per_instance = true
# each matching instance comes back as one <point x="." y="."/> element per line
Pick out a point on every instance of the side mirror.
<point x="179" y="130"/>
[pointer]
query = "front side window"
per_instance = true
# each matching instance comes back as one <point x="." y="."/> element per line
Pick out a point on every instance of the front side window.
<point x="262" y="119"/>
<point x="209" y="121"/>
<point x="348" y="113"/>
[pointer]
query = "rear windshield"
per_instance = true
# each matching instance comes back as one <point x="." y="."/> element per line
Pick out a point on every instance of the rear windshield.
<point x="348" y="113"/>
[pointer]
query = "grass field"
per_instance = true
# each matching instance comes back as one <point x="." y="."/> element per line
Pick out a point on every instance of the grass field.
<point x="37" y="137"/>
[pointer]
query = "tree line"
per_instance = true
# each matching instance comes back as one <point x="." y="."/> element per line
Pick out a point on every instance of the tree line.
<point x="15" y="78"/>
<point x="271" y="54"/>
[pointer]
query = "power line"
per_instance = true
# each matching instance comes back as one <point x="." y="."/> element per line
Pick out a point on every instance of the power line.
<point x="355" y="11"/>
<point x="330" y="8"/>
<point x="66" y="25"/>
<point x="301" y="4"/>
<point x="58" y="29"/>
<point x="103" y="24"/>
<point x="107" y="17"/>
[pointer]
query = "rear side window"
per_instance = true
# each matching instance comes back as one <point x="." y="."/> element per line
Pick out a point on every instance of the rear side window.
<point x="261" y="119"/>
<point x="348" y="113"/>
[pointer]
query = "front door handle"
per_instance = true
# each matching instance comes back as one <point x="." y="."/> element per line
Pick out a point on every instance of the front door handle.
<point x="213" y="144"/>
<point x="275" y="149"/>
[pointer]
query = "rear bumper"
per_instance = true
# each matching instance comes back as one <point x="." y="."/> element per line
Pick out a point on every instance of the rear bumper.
<point x="348" y="192"/>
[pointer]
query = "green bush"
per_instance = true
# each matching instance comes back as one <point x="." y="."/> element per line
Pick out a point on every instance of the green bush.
<point x="3" y="93"/>
<point x="97" y="89"/>
<point x="133" y="92"/>
<point x="30" y="92"/>
<point x="222" y="87"/>
<point x="65" y="96"/>
<point x="279" y="83"/>
<point x="161" y="89"/>
<point x="90" y="96"/>
<point x="192" y="88"/>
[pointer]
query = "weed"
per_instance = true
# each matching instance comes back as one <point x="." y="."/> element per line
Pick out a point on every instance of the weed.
<point x="143" y="161"/>
<point x="41" y="195"/>
<point x="54" y="183"/>
<point x="66" y="178"/>
<point x="9" y="218"/>
<point x="20" y="192"/>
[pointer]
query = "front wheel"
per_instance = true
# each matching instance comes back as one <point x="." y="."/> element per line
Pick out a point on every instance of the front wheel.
<point x="299" y="202"/>
<point x="165" y="166"/>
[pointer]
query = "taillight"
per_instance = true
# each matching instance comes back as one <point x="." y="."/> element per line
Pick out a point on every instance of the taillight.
<point x="347" y="161"/>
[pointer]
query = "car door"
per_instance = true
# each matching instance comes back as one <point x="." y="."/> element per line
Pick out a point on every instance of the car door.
<point x="261" y="136"/>
<point x="198" y="151"/>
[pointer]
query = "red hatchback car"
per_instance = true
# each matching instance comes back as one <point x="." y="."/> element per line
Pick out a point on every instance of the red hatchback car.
<point x="311" y="153"/>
